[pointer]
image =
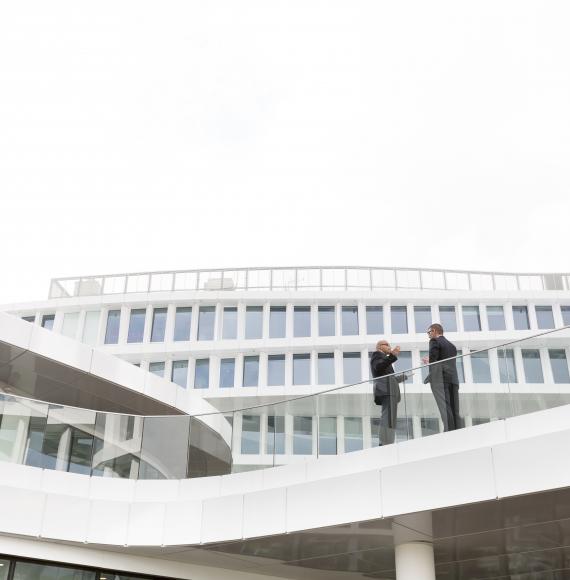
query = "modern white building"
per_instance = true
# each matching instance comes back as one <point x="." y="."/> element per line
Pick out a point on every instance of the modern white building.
<point x="220" y="424"/>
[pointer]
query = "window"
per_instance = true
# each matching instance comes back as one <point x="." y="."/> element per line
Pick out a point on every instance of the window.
<point x="47" y="321"/>
<point x="327" y="321"/>
<point x="532" y="366"/>
<point x="229" y="323"/>
<point x="180" y="372"/>
<point x="399" y="319"/>
<point x="351" y="368"/>
<point x="480" y="367"/>
<point x="250" y="371"/>
<point x="404" y="362"/>
<point x="460" y="369"/>
<point x="422" y="316"/>
<point x="91" y="327"/>
<point x="276" y="435"/>
<point x="349" y="320"/>
<point x="277" y="321"/>
<point x="302" y="435"/>
<point x="253" y="322"/>
<point x="206" y="319"/>
<point x="544" y="317"/>
<point x="156" y="368"/>
<point x="182" y="321"/>
<point x="276" y="370"/>
<point x="374" y="320"/>
<point x="496" y="318"/>
<point x="301" y="369"/>
<point x="37" y="571"/>
<point x="302" y="321"/>
<point x="327" y="436"/>
<point x="227" y="373"/>
<point x="112" y="330"/>
<point x="404" y="429"/>
<point x="448" y="318"/>
<point x="565" y="315"/>
<point x="31" y="319"/>
<point x="325" y="368"/>
<point x="202" y="373"/>
<point x="429" y="426"/>
<point x="559" y="365"/>
<point x="136" y="325"/>
<point x="69" y="326"/>
<point x="520" y="317"/>
<point x="158" y="325"/>
<point x="352" y="434"/>
<point x="250" y="434"/>
<point x="507" y="367"/>
<point x="425" y="368"/>
<point x="471" y="319"/>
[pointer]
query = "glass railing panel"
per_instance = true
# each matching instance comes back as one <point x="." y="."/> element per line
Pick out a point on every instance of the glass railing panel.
<point x="433" y="280"/>
<point x="210" y="280"/>
<point x="531" y="283"/>
<point x="247" y="449"/>
<point x="481" y="281"/>
<point x="358" y="278"/>
<point x="63" y="288"/>
<point x="383" y="278"/>
<point x="161" y="282"/>
<point x="456" y="281"/>
<point x="259" y="279"/>
<point x="234" y="280"/>
<point x="138" y="282"/>
<point x="210" y="451"/>
<point x="274" y="431"/>
<point x="308" y="279"/>
<point x="334" y="278"/>
<point x="408" y="278"/>
<point x="92" y="286"/>
<point x="283" y="279"/>
<point x="505" y="282"/>
<point x="185" y="281"/>
<point x="114" y="284"/>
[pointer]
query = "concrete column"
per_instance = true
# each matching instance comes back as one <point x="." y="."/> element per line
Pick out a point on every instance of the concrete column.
<point x="413" y="542"/>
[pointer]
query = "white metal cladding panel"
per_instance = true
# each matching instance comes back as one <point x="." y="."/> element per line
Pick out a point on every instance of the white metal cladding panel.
<point x="65" y="517"/>
<point x="264" y="513"/>
<point x="22" y="511"/>
<point x="183" y="522"/>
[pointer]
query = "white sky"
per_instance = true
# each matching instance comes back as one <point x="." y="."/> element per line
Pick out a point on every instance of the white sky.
<point x="142" y="135"/>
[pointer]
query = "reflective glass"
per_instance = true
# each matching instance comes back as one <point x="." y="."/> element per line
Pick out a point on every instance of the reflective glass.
<point x="202" y="373"/>
<point x="156" y="368"/>
<point x="422" y="316"/>
<point x="229" y="322"/>
<point x="112" y="330"/>
<point x="399" y="316"/>
<point x="182" y="321"/>
<point x="69" y="327"/>
<point x="138" y="282"/>
<point x="302" y="321"/>
<point x="559" y="365"/>
<point x="35" y="571"/>
<point x="136" y="325"/>
<point x="259" y="279"/>
<point x="253" y="322"/>
<point x="456" y="281"/>
<point x="283" y="279"/>
<point x="404" y="429"/>
<point x="326" y="321"/>
<point x="374" y="320"/>
<point x="505" y="282"/>
<point x="31" y="319"/>
<point x="91" y="327"/>
<point x="185" y="280"/>
<point x="404" y="361"/>
<point x="158" y="325"/>
<point x="327" y="436"/>
<point x="227" y="373"/>
<point x="481" y="281"/>
<point x="520" y="317"/>
<point x="275" y="435"/>
<point x="434" y="280"/>
<point x="565" y="315"/>
<point x="429" y="426"/>
<point x="349" y="320"/>
<point x="448" y="318"/>
<point x="383" y="278"/>
<point x="471" y="318"/>
<point x="544" y="317"/>
<point x="351" y="368"/>
<point x="301" y="369"/>
<point x="357" y="278"/>
<point x="496" y="318"/>
<point x="308" y="278"/>
<point x="353" y="440"/>
<point x="47" y="321"/>
<point x="460" y="369"/>
<point x="276" y="370"/>
<point x="179" y="372"/>
<point x="302" y="435"/>
<point x="532" y="366"/>
<point x="277" y="320"/>
<point x="333" y="278"/>
<point x="206" y="318"/>
<point x="4" y="569"/>
<point x="480" y="367"/>
<point x="325" y="368"/>
<point x="408" y="278"/>
<point x="507" y="367"/>
<point x="250" y="371"/>
<point x="161" y="282"/>
<point x="114" y="285"/>
<point x="250" y="434"/>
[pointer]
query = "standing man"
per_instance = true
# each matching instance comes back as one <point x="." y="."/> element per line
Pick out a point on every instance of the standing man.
<point x="386" y="389"/>
<point x="443" y="377"/>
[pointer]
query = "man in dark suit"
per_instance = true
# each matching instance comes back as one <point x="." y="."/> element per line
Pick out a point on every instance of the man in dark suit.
<point x="443" y="377"/>
<point x="386" y="388"/>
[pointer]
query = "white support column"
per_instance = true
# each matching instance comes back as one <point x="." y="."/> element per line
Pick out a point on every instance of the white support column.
<point x="413" y="541"/>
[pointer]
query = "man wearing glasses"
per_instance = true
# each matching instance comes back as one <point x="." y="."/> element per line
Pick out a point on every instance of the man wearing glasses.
<point x="443" y="377"/>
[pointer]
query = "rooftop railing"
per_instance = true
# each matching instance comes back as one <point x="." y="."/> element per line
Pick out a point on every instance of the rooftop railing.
<point x="305" y="278"/>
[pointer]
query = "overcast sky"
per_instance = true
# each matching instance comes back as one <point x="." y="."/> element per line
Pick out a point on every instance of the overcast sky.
<point x="225" y="133"/>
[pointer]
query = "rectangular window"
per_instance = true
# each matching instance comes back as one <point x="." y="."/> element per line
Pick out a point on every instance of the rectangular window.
<point x="276" y="370"/>
<point x="520" y="317"/>
<point x="302" y="435"/>
<point x="250" y="371"/>
<point x="399" y="316"/>
<point x="353" y="440"/>
<point x="227" y="373"/>
<point x="202" y="373"/>
<point x="277" y="321"/>
<point x="327" y="325"/>
<point x="374" y="320"/>
<point x="69" y="326"/>
<point x="422" y="316"/>
<point x="496" y="318"/>
<point x="158" y="325"/>
<point x="302" y="321"/>
<point x="349" y="320"/>
<point x="327" y="436"/>
<point x="448" y="318"/>
<point x="565" y="315"/>
<point x="250" y="434"/>
<point x="425" y="368"/>
<point x="532" y="366"/>
<point x="559" y="365"/>
<point x="351" y="368"/>
<point x="253" y="322"/>
<point x="404" y="361"/>
<point x="136" y="325"/>
<point x="480" y="367"/>
<point x="37" y="571"/>
<point x="47" y="321"/>
<point x="206" y="320"/>
<point x="31" y="319"/>
<point x="156" y="368"/>
<point x="179" y="372"/>
<point x="404" y="429"/>
<point x="112" y="330"/>
<point x="325" y="368"/>
<point x="544" y="317"/>
<point x="182" y="322"/>
<point x="301" y="369"/>
<point x="507" y="367"/>
<point x="91" y="327"/>
<point x="276" y="435"/>
<point x="460" y="369"/>
<point x="229" y="323"/>
<point x="471" y="319"/>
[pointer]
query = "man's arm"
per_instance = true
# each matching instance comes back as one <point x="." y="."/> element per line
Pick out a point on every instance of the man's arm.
<point x="434" y="350"/>
<point x="380" y="365"/>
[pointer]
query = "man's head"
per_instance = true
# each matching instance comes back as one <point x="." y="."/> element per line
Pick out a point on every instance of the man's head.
<point x="383" y="346"/>
<point x="435" y="330"/>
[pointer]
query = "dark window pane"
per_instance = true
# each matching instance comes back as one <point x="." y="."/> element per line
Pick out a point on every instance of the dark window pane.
<point x="422" y="315"/>
<point x="302" y="435"/>
<point x="277" y="320"/>
<point x="480" y="367"/>
<point x="182" y="322"/>
<point x="565" y="315"/>
<point x="158" y="325"/>
<point x="399" y="319"/>
<point x="349" y="320"/>
<point x="276" y="435"/>
<point x="327" y="436"/>
<point x="206" y="318"/>
<point x="325" y="368"/>
<point x="31" y="319"/>
<point x="559" y="365"/>
<point x="250" y="434"/>
<point x="112" y="330"/>
<point x="326" y="321"/>
<point x="47" y="321"/>
<point x="202" y="373"/>
<point x="180" y="372"/>
<point x="136" y="325"/>
<point x="448" y="318"/>
<point x="276" y="370"/>
<point x="229" y="326"/>
<point x="471" y="318"/>
<point x="544" y="317"/>
<point x="33" y="571"/>
<point x="374" y="320"/>
<point x="302" y="321"/>
<point x="301" y="369"/>
<point x="520" y="317"/>
<point x="507" y="368"/>
<point x="496" y="318"/>
<point x="156" y="368"/>
<point x="353" y="434"/>
<point x="253" y="321"/>
<point x="352" y="373"/>
<point x="460" y="369"/>
<point x="250" y="371"/>
<point x="532" y="366"/>
<point x="227" y="372"/>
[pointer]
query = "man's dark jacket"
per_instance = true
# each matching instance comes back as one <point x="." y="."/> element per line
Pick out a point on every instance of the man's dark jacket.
<point x="440" y="349"/>
<point x="384" y="386"/>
